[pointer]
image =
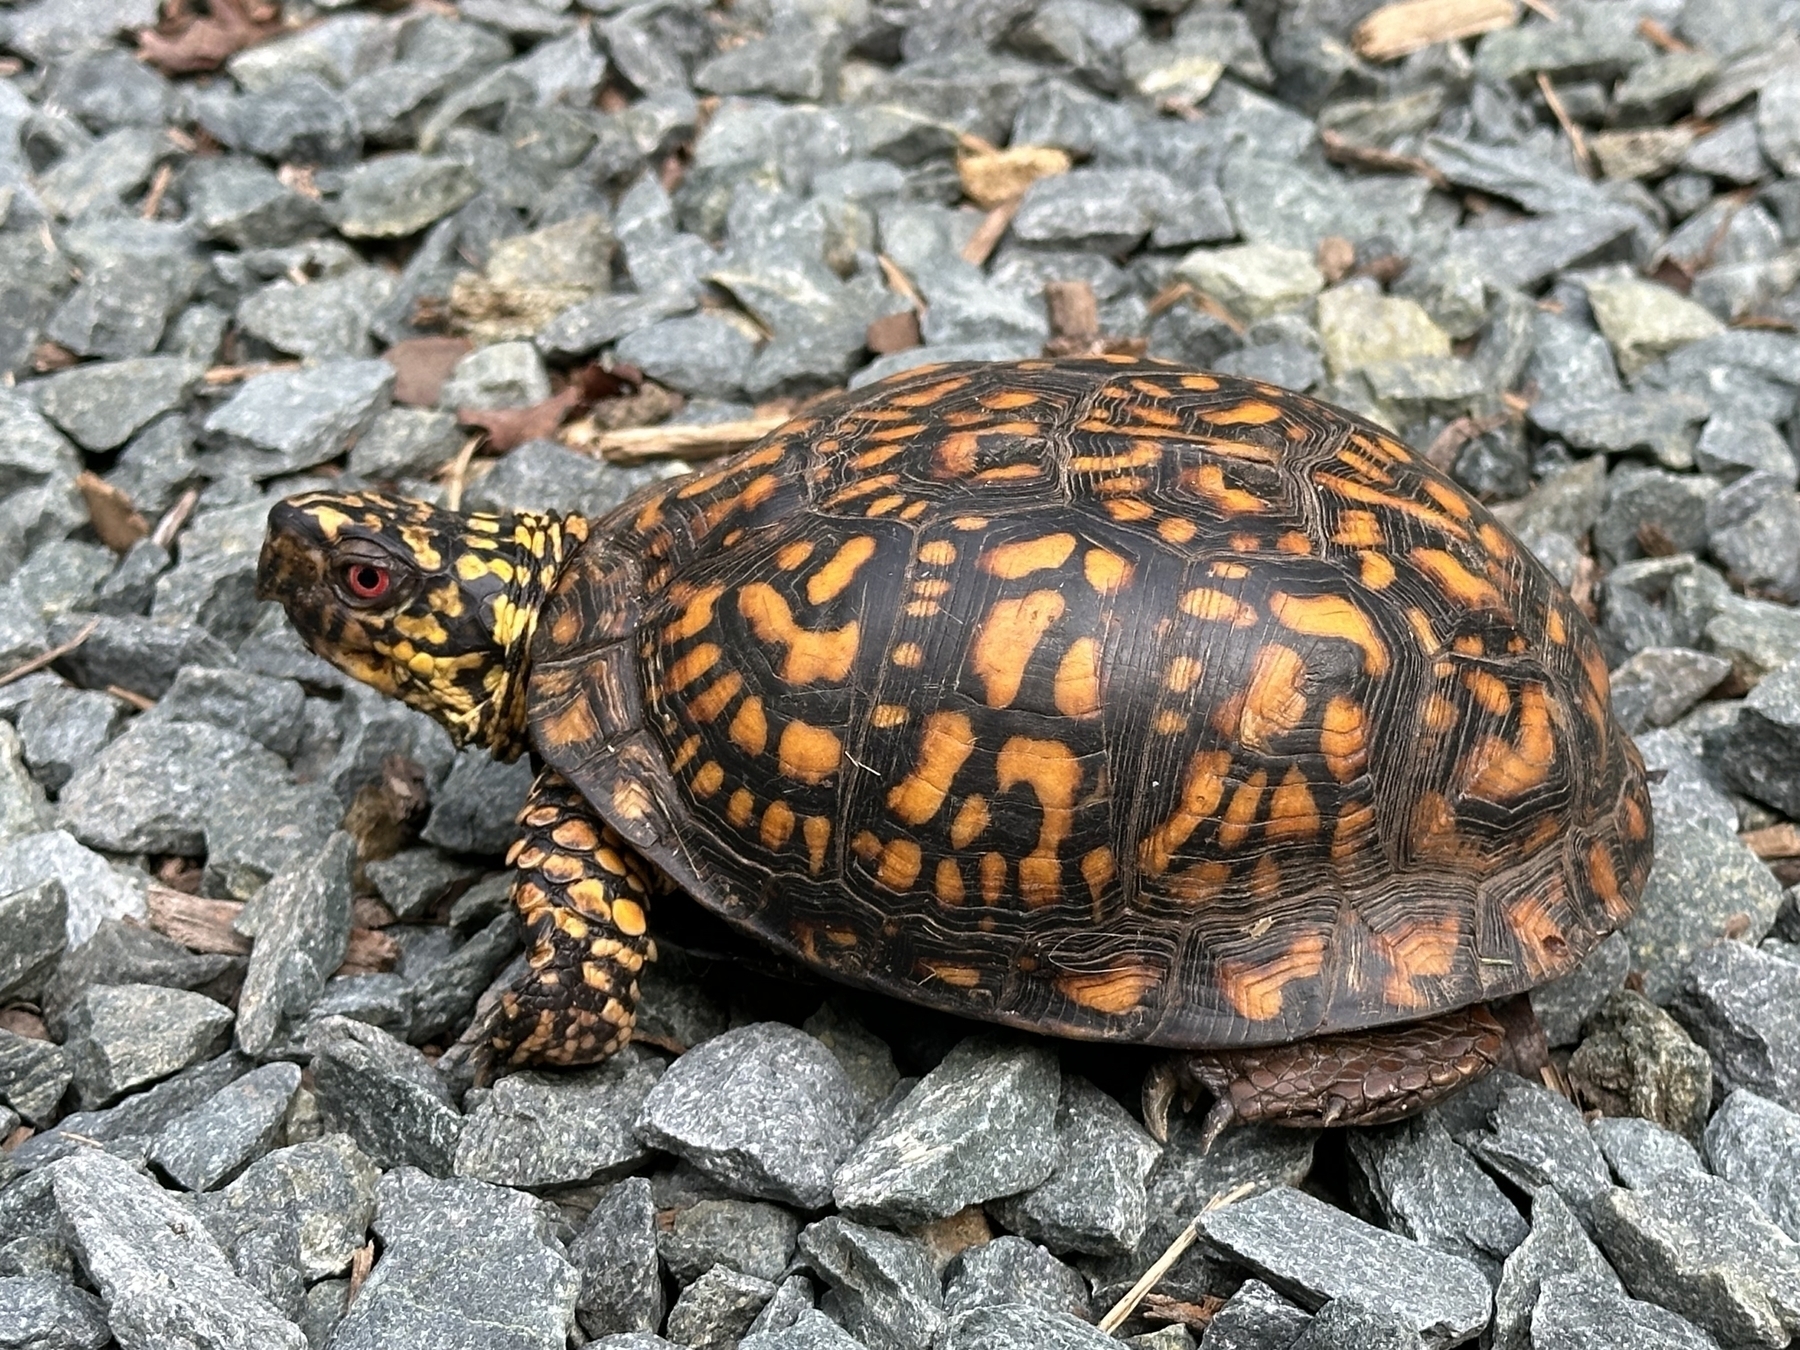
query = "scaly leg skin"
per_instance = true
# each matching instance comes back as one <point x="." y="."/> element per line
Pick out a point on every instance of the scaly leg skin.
<point x="583" y="896"/>
<point x="1354" y="1078"/>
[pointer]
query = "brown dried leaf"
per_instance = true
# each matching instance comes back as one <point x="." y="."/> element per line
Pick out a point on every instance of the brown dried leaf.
<point x="588" y="385"/>
<point x="185" y="45"/>
<point x="421" y="365"/>
<point x="991" y="178"/>
<point x="369" y="953"/>
<point x="115" y="519"/>
<point x="386" y="814"/>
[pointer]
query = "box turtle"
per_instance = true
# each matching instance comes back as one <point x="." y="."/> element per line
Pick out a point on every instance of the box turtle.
<point x="1103" y="698"/>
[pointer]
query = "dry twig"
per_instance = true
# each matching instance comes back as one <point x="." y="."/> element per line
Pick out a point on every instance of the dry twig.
<point x="159" y="188"/>
<point x="111" y="512"/>
<point x="198" y="924"/>
<point x="456" y="473"/>
<point x="634" y="445"/>
<point x="1577" y="142"/>
<point x="163" y="536"/>
<point x="56" y="653"/>
<point x="1116" y="1315"/>
<point x="1342" y="151"/>
<point x="990" y="232"/>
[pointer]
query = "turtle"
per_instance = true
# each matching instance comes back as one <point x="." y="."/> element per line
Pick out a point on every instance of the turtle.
<point x="1104" y="698"/>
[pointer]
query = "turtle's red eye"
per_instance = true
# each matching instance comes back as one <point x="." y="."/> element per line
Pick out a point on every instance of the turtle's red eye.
<point x="367" y="581"/>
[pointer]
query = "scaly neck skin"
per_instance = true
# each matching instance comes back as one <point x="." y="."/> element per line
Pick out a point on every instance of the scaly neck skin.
<point x="543" y="544"/>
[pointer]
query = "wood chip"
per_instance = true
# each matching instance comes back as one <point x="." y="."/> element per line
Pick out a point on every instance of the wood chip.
<point x="993" y="177"/>
<point x="24" y="1022"/>
<point x="232" y="374"/>
<point x="1653" y="32"/>
<point x="1412" y="25"/>
<point x="634" y="445"/>
<point x="456" y="473"/>
<point x="369" y="953"/>
<point x="1336" y="256"/>
<point x="899" y="283"/>
<point x="368" y="912"/>
<point x="174" y="518"/>
<point x="893" y="333"/>
<point x="114" y="518"/>
<point x="159" y="188"/>
<point x="360" y="1266"/>
<point x="1195" y="1316"/>
<point x="49" y="356"/>
<point x="989" y="233"/>
<point x="1774" y="841"/>
<point x="198" y="924"/>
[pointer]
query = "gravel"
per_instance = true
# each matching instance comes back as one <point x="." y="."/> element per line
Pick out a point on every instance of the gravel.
<point x="203" y="275"/>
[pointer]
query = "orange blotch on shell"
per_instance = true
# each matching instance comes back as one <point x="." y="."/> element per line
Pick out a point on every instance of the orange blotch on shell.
<point x="1458" y="583"/>
<point x="1343" y="737"/>
<point x="1183" y="674"/>
<point x="937" y="553"/>
<point x="1274" y="699"/>
<point x="1292" y="812"/>
<point x="1077" y="687"/>
<point x="1554" y="628"/>
<point x="691" y="666"/>
<point x="1448" y="497"/>
<point x="1499" y="770"/>
<point x="790" y="556"/>
<point x="1106" y="572"/>
<point x="907" y="654"/>
<point x="566" y="627"/>
<point x="1377" y="570"/>
<point x="1199" y="883"/>
<point x="1332" y="616"/>
<point x="1022" y="557"/>
<point x="839" y="570"/>
<point x="1231" y="571"/>
<point x="749" y="728"/>
<point x="824" y="655"/>
<point x="1350" y="836"/>
<point x="571" y="724"/>
<point x="899" y="865"/>
<point x="947" y="884"/>
<point x="1249" y="413"/>
<point x="1128" y="509"/>
<point x="684" y="754"/>
<point x="946" y="972"/>
<point x="716" y="697"/>
<point x="1494" y="540"/>
<point x="817" y="832"/>
<point x="1200" y="384"/>
<point x="1490" y="691"/>
<point x="1358" y="529"/>
<point x="1213" y="606"/>
<point x="993" y="877"/>
<point x="1540" y="938"/>
<point x="1257" y="989"/>
<point x="1006" y="400"/>
<point x="1006" y="640"/>
<point x="1603" y="876"/>
<point x="808" y="753"/>
<point x="1113" y="991"/>
<point x="947" y="740"/>
<point x="1240" y="811"/>
<point x="888" y="715"/>
<point x="1208" y="481"/>
<point x="1363" y="494"/>
<point x="1098" y="869"/>
<point x="777" y="826"/>
<point x="1422" y="950"/>
<point x="1440" y="714"/>
<point x="971" y="819"/>
<point x="709" y="778"/>
<point x="1176" y="530"/>
<point x="1053" y="773"/>
<point x="1295" y="542"/>
<point x="1169" y="722"/>
<point x="1202" y="789"/>
<point x="740" y="808"/>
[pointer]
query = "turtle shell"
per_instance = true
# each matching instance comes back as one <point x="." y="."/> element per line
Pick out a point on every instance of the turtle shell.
<point x="1105" y="698"/>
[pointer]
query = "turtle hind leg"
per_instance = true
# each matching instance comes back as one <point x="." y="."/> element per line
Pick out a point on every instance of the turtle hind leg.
<point x="1350" y="1078"/>
<point x="583" y="897"/>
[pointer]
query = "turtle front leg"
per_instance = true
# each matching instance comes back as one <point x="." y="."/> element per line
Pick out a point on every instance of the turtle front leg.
<point x="583" y="895"/>
<point x="1351" y="1078"/>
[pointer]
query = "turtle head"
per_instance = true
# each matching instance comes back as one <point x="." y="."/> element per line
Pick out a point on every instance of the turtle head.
<point x="432" y="607"/>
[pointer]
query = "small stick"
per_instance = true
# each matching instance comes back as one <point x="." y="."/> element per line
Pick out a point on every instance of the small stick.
<point x="131" y="696"/>
<point x="1115" y="1317"/>
<point x="174" y="518"/>
<point x="360" y="1265"/>
<point x="634" y="445"/>
<point x="988" y="234"/>
<point x="159" y="187"/>
<point x="232" y="374"/>
<point x="458" y="470"/>
<point x="899" y="282"/>
<point x="1654" y="32"/>
<point x="1577" y="142"/>
<point x="25" y="668"/>
<point x="1543" y="9"/>
<point x="1342" y="151"/>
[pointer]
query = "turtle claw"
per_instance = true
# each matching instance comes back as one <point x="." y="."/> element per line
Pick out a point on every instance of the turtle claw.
<point x="1161" y="1085"/>
<point x="1218" y="1120"/>
<point x="474" y="1053"/>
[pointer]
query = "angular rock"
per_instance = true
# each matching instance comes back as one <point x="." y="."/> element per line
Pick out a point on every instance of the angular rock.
<point x="1573" y="1314"/>
<point x="1010" y="1270"/>
<point x="96" y="890"/>
<point x="463" y="1263"/>
<point x="979" y="1126"/>
<point x="1418" y="1182"/>
<point x="765" y="1110"/>
<point x="882" y="1288"/>
<point x="1637" y="1061"/>
<point x="748" y="1236"/>
<point x="1358" y="327"/>
<point x="34" y="926"/>
<point x="161" y="1276"/>
<point x="405" y="443"/>
<point x="384" y="1094"/>
<point x="1253" y="1318"/>
<point x="123" y="1037"/>
<point x="1303" y="1246"/>
<point x="1537" y="1139"/>
<point x="1095" y="1200"/>
<point x="616" y="1252"/>
<point x="1556" y="1247"/>
<point x="1564" y="1005"/>
<point x="103" y="404"/>
<point x="1743" y="1005"/>
<point x="33" y="1076"/>
<point x="47" y="1312"/>
<point x="285" y="421"/>
<point x="301" y="943"/>
<point x="811" y="1330"/>
<point x="395" y="195"/>
<point x="1703" y="1249"/>
<point x="1253" y="280"/>
<point x="1639" y="1151"/>
<point x="1007" y="1327"/>
<point x="1644" y="321"/>
<point x="536" y="1130"/>
<point x="1755" y="1145"/>
<point x="240" y="1123"/>
<point x="715" y="1311"/>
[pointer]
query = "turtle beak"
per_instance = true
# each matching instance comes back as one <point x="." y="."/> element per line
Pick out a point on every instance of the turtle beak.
<point x="290" y="554"/>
